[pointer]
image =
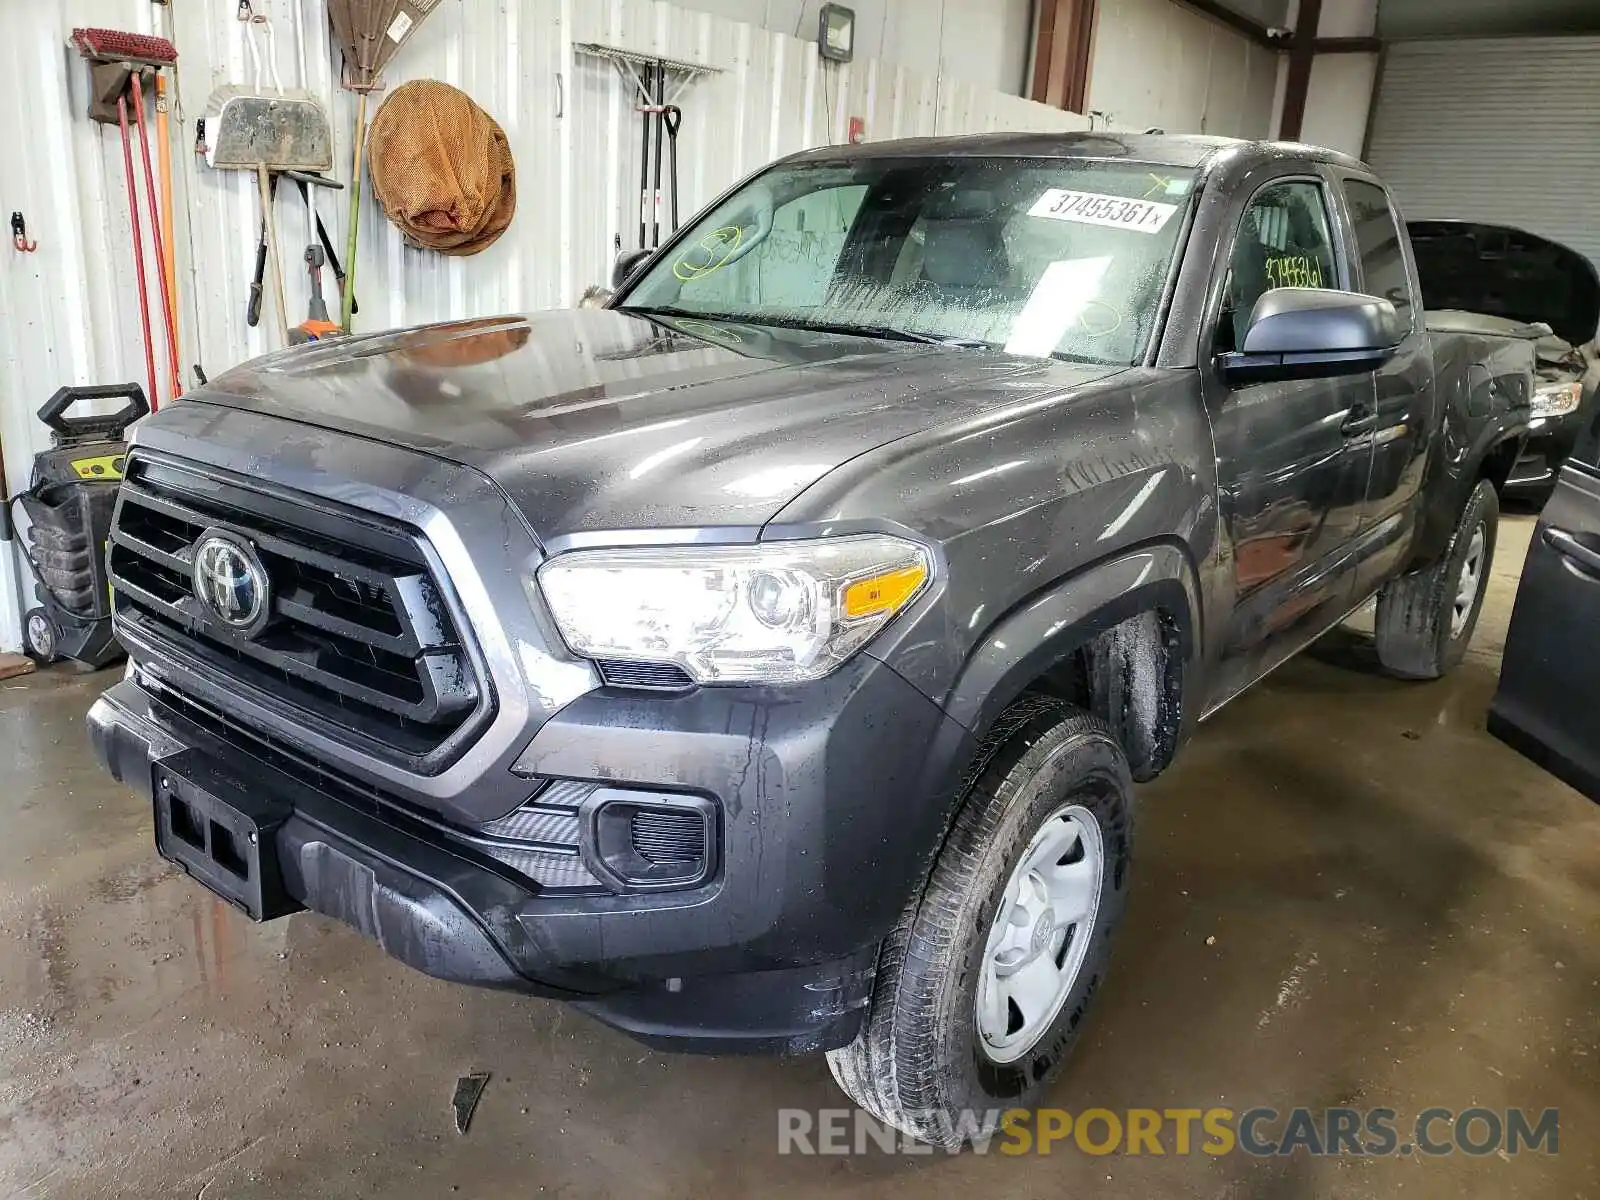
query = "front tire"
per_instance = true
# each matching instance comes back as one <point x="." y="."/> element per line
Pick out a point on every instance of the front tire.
<point x="983" y="985"/>
<point x="1426" y="620"/>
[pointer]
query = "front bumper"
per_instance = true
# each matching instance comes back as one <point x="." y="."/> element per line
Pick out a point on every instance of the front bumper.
<point x="1550" y="443"/>
<point x="832" y="801"/>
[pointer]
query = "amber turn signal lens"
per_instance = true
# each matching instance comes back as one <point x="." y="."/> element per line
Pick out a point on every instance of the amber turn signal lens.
<point x="883" y="593"/>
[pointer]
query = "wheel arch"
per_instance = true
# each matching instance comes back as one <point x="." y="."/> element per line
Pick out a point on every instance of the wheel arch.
<point x="1119" y="638"/>
<point x="1492" y="456"/>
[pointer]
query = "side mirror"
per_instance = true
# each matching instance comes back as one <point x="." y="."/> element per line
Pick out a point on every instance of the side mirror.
<point x="1314" y="333"/>
<point x="627" y="263"/>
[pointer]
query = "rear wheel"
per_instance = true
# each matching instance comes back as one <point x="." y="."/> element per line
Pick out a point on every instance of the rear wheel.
<point x="41" y="638"/>
<point x="1425" y="620"/>
<point x="982" y="987"/>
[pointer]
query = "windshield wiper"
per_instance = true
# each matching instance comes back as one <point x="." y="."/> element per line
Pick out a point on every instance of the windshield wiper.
<point x="667" y="310"/>
<point x="889" y="333"/>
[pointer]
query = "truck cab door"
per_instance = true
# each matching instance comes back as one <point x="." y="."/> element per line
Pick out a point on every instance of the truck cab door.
<point x="1548" y="703"/>
<point x="1403" y="416"/>
<point x="1293" y="457"/>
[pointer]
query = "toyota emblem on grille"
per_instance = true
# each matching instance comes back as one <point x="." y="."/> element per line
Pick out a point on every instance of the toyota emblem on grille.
<point x="230" y="583"/>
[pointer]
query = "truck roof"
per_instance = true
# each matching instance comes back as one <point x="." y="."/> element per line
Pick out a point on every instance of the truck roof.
<point x="1187" y="150"/>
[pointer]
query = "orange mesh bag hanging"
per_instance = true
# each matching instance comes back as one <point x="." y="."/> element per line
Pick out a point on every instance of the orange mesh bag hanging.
<point x="441" y="167"/>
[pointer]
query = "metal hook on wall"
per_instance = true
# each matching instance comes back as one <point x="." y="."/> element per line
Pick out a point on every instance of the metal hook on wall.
<point x="19" y="234"/>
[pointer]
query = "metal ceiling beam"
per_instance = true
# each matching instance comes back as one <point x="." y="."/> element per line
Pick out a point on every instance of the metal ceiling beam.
<point x="1262" y="34"/>
<point x="1302" y="57"/>
<point x="1249" y="26"/>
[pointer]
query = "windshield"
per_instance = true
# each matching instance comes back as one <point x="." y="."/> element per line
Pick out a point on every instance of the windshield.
<point x="1038" y="257"/>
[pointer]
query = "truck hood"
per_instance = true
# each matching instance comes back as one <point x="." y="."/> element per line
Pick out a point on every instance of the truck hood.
<point x="594" y="420"/>
<point x="1508" y="273"/>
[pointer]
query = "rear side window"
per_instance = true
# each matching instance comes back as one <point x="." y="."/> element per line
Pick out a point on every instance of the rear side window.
<point x="1383" y="260"/>
<point x="1283" y="242"/>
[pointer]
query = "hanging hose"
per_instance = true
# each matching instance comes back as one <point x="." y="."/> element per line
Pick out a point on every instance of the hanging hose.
<point x="138" y="249"/>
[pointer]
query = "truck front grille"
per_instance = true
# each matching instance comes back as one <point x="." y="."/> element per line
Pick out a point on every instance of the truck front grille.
<point x="358" y="642"/>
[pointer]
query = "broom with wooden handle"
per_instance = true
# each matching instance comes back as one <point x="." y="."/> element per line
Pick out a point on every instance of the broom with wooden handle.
<point x="117" y="60"/>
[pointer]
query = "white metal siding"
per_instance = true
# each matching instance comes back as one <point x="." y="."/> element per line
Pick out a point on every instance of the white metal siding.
<point x="983" y="42"/>
<point x="1162" y="64"/>
<point x="68" y="312"/>
<point x="1501" y="131"/>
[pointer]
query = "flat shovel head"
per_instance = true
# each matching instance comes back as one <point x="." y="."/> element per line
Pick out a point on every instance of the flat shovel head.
<point x="286" y="132"/>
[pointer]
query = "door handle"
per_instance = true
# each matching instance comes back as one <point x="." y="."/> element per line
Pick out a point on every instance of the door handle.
<point x="1362" y="419"/>
<point x="1568" y="546"/>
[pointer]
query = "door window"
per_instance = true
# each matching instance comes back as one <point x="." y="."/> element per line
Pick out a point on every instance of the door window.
<point x="1383" y="260"/>
<point x="1284" y="240"/>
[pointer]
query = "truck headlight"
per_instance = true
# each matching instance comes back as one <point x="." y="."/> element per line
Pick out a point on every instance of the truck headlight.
<point x="1557" y="399"/>
<point x="779" y="612"/>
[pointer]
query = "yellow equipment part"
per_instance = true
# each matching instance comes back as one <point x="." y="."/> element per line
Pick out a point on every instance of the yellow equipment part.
<point x="103" y="466"/>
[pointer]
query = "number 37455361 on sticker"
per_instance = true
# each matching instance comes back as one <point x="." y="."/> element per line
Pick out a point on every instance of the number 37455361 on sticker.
<point x="1091" y="208"/>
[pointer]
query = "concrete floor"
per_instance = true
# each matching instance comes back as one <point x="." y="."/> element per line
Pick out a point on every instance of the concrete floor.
<point x="1405" y="914"/>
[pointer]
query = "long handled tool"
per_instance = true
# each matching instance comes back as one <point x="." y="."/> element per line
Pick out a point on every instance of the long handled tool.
<point x="252" y="311"/>
<point x="307" y="182"/>
<point x="169" y="237"/>
<point x="668" y="118"/>
<point x="264" y="186"/>
<point x="347" y="303"/>
<point x="157" y="241"/>
<point x="117" y="63"/>
<point x="138" y="246"/>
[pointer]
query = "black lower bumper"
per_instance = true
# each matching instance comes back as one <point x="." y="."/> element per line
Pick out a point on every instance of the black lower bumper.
<point x="1550" y="443"/>
<point x="713" y="971"/>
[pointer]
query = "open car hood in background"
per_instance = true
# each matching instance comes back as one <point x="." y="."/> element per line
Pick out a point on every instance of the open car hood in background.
<point x="1509" y="273"/>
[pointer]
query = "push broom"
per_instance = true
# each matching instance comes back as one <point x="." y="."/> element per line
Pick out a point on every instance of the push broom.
<point x="117" y="63"/>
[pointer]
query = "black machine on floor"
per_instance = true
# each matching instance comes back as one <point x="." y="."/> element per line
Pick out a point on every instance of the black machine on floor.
<point x="68" y="506"/>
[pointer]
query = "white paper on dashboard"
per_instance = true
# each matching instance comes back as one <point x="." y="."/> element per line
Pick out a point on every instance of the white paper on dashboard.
<point x="1059" y="298"/>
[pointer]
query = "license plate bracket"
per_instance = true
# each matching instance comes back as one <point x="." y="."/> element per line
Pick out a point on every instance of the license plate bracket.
<point x="222" y="831"/>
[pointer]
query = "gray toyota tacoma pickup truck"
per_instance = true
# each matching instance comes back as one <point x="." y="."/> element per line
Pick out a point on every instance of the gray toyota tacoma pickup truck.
<point x="765" y="660"/>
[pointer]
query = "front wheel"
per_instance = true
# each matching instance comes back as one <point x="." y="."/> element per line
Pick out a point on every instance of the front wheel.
<point x="1426" y="620"/>
<point x="982" y="987"/>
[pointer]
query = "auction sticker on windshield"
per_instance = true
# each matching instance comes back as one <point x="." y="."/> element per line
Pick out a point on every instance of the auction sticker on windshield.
<point x="1091" y="208"/>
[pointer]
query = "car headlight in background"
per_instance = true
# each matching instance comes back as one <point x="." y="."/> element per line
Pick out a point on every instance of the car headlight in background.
<point x="1557" y="399"/>
<point x="779" y="612"/>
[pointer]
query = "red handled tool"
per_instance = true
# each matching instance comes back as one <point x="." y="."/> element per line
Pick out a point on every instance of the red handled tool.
<point x="117" y="62"/>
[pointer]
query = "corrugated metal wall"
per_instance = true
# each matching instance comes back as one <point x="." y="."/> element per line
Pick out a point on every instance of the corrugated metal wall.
<point x="1446" y="110"/>
<point x="1162" y="64"/>
<point x="985" y="42"/>
<point x="68" y="311"/>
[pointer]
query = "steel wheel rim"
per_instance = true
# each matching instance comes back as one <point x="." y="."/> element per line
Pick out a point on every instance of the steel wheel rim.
<point x="1038" y="939"/>
<point x="1471" y="580"/>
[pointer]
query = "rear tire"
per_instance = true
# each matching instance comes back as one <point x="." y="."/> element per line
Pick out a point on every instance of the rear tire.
<point x="1018" y="912"/>
<point x="1426" y="620"/>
